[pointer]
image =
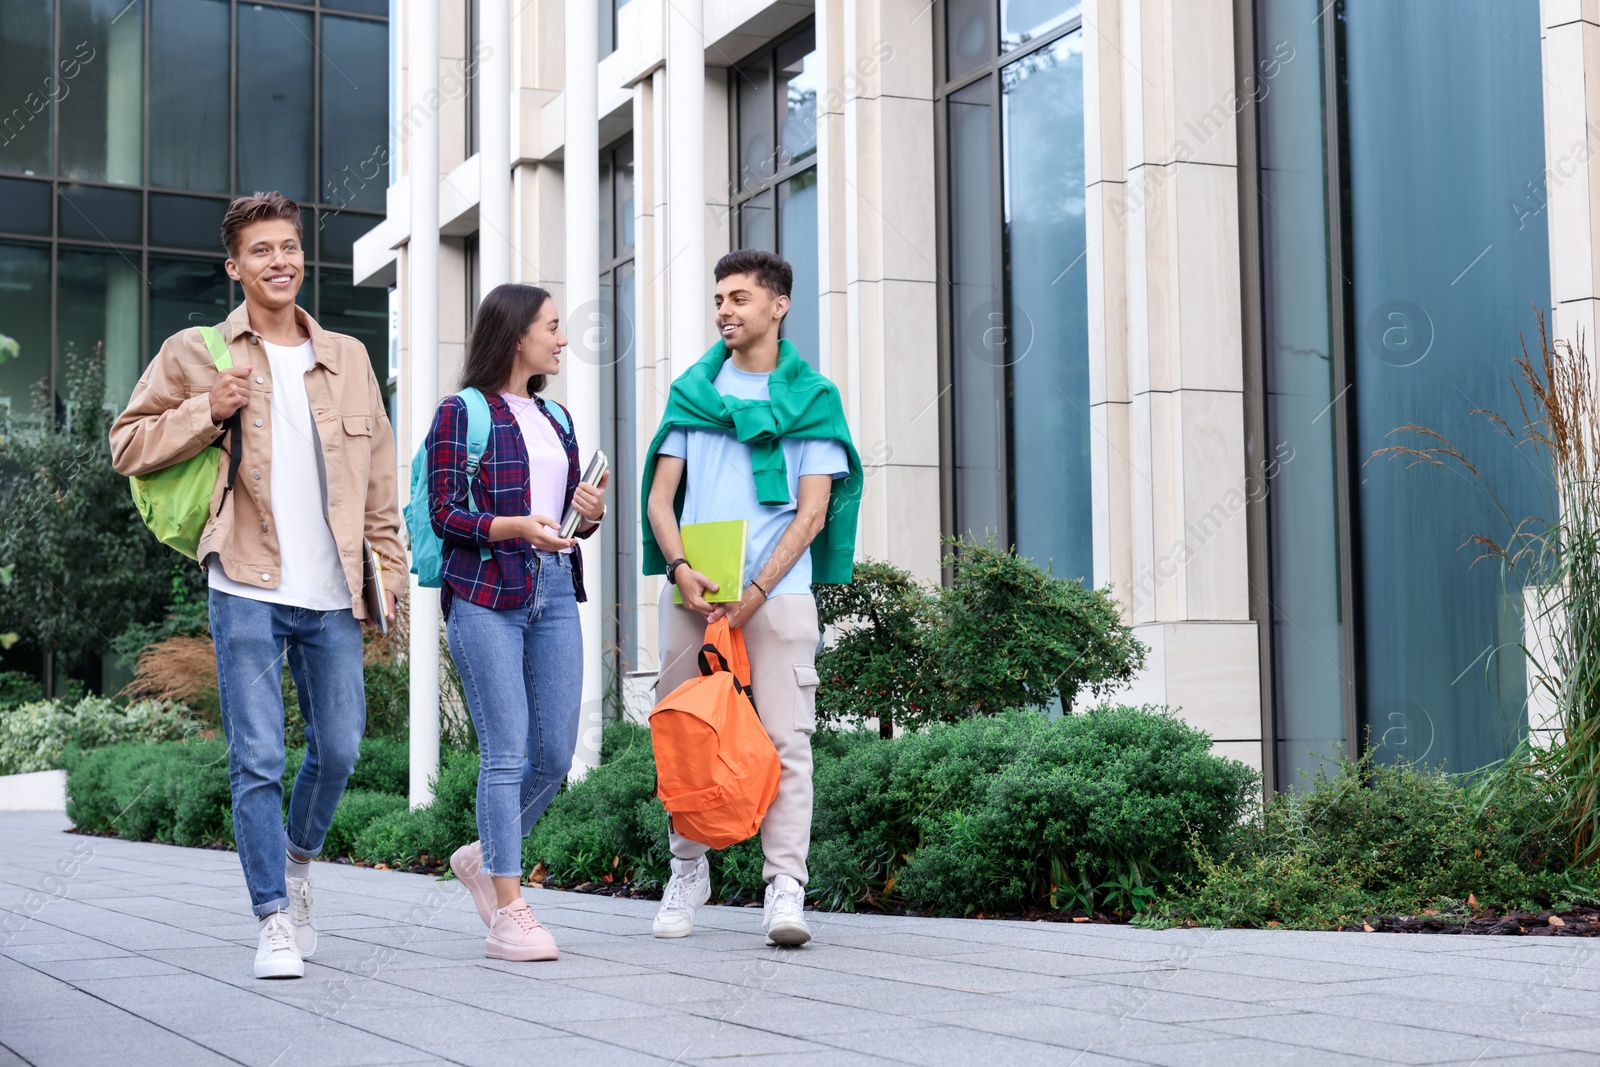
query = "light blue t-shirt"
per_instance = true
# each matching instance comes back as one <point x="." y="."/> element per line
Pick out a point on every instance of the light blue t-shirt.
<point x="721" y="486"/>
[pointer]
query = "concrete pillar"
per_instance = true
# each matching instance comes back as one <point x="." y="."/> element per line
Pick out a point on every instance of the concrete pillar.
<point x="688" y="308"/>
<point x="493" y="51"/>
<point x="582" y="317"/>
<point x="1571" y="58"/>
<point x="422" y="368"/>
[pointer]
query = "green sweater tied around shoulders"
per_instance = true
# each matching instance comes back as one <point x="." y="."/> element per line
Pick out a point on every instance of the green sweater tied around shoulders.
<point x="803" y="404"/>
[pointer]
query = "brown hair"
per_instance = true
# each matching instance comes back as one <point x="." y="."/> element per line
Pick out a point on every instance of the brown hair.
<point x="771" y="272"/>
<point x="503" y="317"/>
<point x="247" y="209"/>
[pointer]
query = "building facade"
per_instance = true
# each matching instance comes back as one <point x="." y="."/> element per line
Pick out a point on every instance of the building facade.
<point x="1141" y="287"/>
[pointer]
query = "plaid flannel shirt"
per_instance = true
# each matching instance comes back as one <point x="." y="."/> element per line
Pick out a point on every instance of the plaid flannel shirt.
<point x="505" y="580"/>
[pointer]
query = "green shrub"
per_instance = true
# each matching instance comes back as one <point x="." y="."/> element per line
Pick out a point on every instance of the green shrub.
<point x="34" y="736"/>
<point x="435" y="830"/>
<point x="1005" y="634"/>
<point x="1381" y="839"/>
<point x="357" y="810"/>
<point x="19" y="687"/>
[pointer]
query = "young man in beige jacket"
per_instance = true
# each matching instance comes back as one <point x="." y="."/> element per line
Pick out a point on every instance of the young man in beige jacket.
<point x="282" y="550"/>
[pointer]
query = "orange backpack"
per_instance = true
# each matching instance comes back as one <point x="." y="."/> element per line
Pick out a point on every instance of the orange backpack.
<point x="716" y="768"/>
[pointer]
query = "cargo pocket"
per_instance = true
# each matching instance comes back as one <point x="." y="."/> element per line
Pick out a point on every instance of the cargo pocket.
<point x="805" y="701"/>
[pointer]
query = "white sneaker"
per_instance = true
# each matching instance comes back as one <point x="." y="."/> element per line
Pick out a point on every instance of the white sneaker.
<point x="276" y="955"/>
<point x="784" y="914"/>
<point x="687" y="889"/>
<point x="305" y="931"/>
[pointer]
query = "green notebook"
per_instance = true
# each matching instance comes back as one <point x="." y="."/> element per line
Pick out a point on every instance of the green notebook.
<point x="716" y="550"/>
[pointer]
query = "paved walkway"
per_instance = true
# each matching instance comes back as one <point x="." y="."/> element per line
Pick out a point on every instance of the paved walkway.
<point x="115" y="952"/>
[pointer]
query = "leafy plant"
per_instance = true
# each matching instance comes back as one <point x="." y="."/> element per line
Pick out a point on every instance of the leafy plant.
<point x="879" y="665"/>
<point x="35" y="736"/>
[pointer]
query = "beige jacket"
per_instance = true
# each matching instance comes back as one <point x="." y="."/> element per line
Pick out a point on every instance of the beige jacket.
<point x="169" y="419"/>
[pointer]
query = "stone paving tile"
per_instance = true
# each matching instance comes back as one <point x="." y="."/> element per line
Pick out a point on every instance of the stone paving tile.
<point x="799" y="1017"/>
<point x="675" y="1037"/>
<point x="1389" y="1041"/>
<point x="939" y="1045"/>
<point x="307" y="1045"/>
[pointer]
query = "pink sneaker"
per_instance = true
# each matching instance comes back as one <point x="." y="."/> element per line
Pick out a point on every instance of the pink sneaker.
<point x="516" y="935"/>
<point x="467" y="863"/>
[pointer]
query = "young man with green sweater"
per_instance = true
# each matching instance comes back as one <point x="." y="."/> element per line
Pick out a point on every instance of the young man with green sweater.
<point x="753" y="432"/>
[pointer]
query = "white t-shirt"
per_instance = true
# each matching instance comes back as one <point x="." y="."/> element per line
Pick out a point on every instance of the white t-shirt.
<point x="310" y="573"/>
<point x="547" y="460"/>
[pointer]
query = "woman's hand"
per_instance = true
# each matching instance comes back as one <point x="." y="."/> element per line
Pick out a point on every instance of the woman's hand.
<point x="542" y="532"/>
<point x="590" y="500"/>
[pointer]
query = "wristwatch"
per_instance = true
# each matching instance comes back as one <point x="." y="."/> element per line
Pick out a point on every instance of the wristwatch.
<point x="673" y="566"/>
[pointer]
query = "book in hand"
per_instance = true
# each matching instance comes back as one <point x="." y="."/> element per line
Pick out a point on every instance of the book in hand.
<point x="716" y="550"/>
<point x="372" y="588"/>
<point x="598" y="465"/>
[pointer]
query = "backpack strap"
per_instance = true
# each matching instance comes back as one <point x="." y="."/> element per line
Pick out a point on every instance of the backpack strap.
<point x="479" y="423"/>
<point x="560" y="414"/>
<point x="222" y="359"/>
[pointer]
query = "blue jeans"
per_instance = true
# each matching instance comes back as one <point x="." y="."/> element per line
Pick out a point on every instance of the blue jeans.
<point x="527" y="720"/>
<point x="323" y="649"/>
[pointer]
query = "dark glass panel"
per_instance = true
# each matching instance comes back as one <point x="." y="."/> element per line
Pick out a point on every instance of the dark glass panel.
<point x="189" y="70"/>
<point x="102" y="66"/>
<point x="977" y="318"/>
<point x="355" y="113"/>
<point x="623" y="177"/>
<point x="1047" y="308"/>
<point x="623" y="492"/>
<point x="755" y="223"/>
<point x="29" y="83"/>
<point x="797" y="243"/>
<point x="24" y="319"/>
<point x="340" y="231"/>
<point x="363" y="313"/>
<point x="1445" y="117"/>
<point x="1301" y="477"/>
<point x="608" y="209"/>
<point x="969" y="36"/>
<point x="753" y="87"/>
<point x="275" y="101"/>
<point x="96" y="213"/>
<point x="187" y="221"/>
<point x="184" y="292"/>
<point x="98" y="297"/>
<point x="24" y="206"/>
<point x="359" y="7"/>
<point x="798" y="80"/>
<point x="1022" y="21"/>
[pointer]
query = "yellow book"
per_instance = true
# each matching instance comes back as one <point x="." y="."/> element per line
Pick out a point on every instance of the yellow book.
<point x="716" y="550"/>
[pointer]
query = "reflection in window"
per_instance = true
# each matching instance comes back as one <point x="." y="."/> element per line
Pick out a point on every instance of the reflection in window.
<point x="184" y="292"/>
<point x="363" y="313"/>
<point x="275" y="91"/>
<point x="189" y="71"/>
<point x="355" y="112"/>
<point x="102" y="52"/>
<point x="98" y="294"/>
<point x="28" y="85"/>
<point x="618" y="402"/>
<point x="25" y="319"/>
<point x="775" y="199"/>
<point x="1022" y="21"/>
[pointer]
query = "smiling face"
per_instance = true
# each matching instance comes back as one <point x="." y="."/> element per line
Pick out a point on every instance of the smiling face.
<point x="539" y="347"/>
<point x="748" y="314"/>
<point x="268" y="263"/>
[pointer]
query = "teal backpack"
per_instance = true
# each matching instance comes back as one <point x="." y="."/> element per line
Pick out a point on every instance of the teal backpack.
<point x="427" y="549"/>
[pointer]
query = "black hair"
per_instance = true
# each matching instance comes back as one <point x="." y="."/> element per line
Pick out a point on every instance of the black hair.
<point x="771" y="272"/>
<point x="503" y="317"/>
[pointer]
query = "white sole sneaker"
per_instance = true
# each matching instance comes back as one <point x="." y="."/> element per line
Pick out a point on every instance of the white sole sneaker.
<point x="305" y="933"/>
<point x="678" y="920"/>
<point x="793" y="934"/>
<point x="276" y="954"/>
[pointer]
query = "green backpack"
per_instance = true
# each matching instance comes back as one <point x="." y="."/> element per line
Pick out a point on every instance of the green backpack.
<point x="174" y="502"/>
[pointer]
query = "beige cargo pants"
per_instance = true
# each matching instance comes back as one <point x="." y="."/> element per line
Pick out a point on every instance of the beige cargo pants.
<point x="781" y="641"/>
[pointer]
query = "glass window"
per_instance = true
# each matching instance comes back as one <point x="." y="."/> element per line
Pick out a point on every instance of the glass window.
<point x="24" y="206"/>
<point x="184" y="292"/>
<point x="102" y="69"/>
<point x="340" y="231"/>
<point x="361" y="312"/>
<point x="755" y="222"/>
<point x="1047" y="308"/>
<point x="28" y="86"/>
<point x="355" y="112"/>
<point x="797" y="92"/>
<point x="1022" y="21"/>
<point x="753" y="87"/>
<point x="25" y="319"/>
<point x="622" y="177"/>
<point x="969" y="35"/>
<point x="797" y="236"/>
<point x="359" y="7"/>
<point x="1444" y="113"/>
<point x="96" y="213"/>
<point x="189" y="72"/>
<point x="98" y="297"/>
<point x="976" y="323"/>
<point x="187" y="221"/>
<point x="275" y="101"/>
<point x="1308" y="630"/>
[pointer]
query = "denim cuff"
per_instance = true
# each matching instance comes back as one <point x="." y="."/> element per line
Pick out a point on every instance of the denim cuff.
<point x="263" y="910"/>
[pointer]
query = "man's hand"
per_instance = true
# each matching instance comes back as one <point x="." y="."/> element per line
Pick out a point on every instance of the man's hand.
<point x="590" y="500"/>
<point x="740" y="612"/>
<point x="388" y="609"/>
<point x="229" y="393"/>
<point x="694" y="586"/>
<point x="541" y="530"/>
